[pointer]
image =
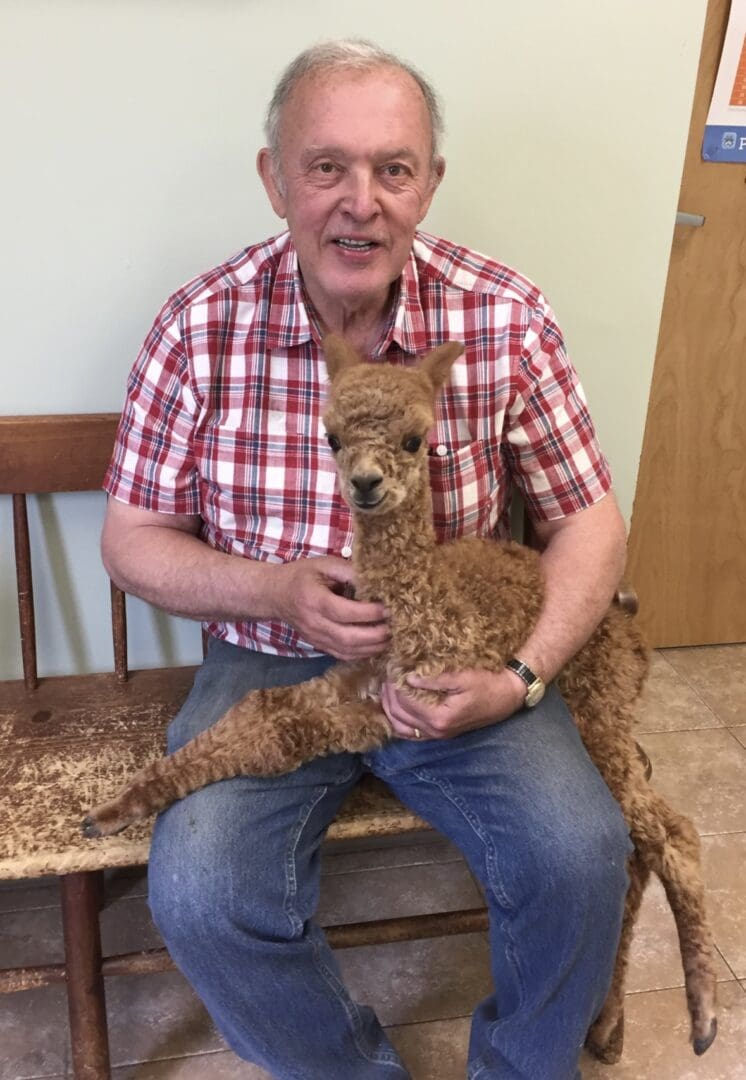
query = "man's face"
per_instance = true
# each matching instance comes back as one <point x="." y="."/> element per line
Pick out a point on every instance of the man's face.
<point x="355" y="180"/>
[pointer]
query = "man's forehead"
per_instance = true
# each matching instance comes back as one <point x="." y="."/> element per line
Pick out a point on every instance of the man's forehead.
<point x="311" y="89"/>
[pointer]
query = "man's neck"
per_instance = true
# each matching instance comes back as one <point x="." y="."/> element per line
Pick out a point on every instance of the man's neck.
<point x="360" y="324"/>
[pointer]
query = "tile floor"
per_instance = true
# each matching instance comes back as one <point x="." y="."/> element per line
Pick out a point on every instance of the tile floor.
<point x="693" y="726"/>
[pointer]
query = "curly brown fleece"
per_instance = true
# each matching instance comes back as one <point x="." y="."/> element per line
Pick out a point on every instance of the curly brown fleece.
<point x="466" y="604"/>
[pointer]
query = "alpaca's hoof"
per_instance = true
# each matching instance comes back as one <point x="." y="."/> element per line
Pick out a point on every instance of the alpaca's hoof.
<point x="607" y="1048"/>
<point x="706" y="1041"/>
<point x="103" y="821"/>
<point x="90" y="829"/>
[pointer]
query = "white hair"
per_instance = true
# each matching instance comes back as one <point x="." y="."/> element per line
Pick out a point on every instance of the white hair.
<point x="355" y="54"/>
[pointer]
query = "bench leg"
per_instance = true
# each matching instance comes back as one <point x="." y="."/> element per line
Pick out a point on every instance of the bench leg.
<point x="89" y="1037"/>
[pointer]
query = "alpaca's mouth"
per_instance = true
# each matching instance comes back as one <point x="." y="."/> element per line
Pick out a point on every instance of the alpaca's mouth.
<point x="370" y="502"/>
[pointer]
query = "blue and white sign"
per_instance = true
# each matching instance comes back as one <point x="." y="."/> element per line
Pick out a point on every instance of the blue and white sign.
<point x="725" y="131"/>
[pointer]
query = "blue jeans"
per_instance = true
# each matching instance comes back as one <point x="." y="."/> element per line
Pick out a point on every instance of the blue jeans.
<point x="234" y="884"/>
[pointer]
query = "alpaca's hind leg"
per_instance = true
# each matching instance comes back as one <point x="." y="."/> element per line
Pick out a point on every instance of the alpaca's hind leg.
<point x="267" y="733"/>
<point x="605" y="1038"/>
<point x="669" y="844"/>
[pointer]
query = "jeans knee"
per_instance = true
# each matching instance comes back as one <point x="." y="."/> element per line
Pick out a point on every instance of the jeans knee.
<point x="205" y="887"/>
<point x="590" y="858"/>
<point x="184" y="906"/>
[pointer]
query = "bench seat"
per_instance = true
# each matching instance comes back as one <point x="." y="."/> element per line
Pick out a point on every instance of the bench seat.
<point x="75" y="740"/>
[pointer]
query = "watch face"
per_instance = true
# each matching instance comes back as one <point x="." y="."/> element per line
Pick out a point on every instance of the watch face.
<point x="535" y="693"/>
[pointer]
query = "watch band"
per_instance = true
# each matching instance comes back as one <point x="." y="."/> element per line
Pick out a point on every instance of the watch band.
<point x="535" y="685"/>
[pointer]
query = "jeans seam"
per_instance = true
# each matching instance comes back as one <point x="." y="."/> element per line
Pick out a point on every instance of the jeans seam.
<point x="291" y="878"/>
<point x="348" y="1005"/>
<point x="495" y="885"/>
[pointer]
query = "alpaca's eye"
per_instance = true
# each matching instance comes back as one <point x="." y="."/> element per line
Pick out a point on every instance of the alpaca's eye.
<point x="334" y="443"/>
<point x="412" y="444"/>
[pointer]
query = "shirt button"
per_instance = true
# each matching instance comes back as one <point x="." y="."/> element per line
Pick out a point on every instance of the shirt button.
<point x="441" y="450"/>
<point x="346" y="552"/>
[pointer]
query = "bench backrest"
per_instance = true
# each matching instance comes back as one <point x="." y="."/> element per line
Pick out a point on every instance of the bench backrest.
<point x="41" y="455"/>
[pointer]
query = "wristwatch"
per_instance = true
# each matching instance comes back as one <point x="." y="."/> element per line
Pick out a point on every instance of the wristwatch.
<point x="535" y="686"/>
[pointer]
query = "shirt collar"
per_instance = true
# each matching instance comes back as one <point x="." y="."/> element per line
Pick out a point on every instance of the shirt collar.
<point x="289" y="321"/>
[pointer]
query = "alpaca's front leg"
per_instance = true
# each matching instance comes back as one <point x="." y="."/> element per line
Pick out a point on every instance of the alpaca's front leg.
<point x="266" y="733"/>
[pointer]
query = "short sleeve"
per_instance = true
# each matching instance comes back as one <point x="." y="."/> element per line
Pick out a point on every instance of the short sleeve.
<point x="550" y="440"/>
<point x="153" y="466"/>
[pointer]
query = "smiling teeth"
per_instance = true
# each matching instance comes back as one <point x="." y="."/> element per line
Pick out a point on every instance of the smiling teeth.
<point x="355" y="243"/>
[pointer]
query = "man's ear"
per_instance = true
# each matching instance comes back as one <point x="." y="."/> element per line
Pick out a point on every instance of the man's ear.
<point x="267" y="167"/>
<point x="437" y="364"/>
<point x="339" y="354"/>
<point x="437" y="172"/>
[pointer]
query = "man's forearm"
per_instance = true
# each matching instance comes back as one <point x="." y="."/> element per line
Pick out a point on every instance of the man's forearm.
<point x="181" y="574"/>
<point x="582" y="566"/>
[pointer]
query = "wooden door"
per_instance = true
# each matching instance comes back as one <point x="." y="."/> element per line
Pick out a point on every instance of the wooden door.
<point x="687" y="548"/>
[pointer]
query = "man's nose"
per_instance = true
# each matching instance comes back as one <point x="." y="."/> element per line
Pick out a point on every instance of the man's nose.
<point x="361" y="196"/>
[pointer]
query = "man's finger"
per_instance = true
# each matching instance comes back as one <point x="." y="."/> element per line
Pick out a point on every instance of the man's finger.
<point x="444" y="684"/>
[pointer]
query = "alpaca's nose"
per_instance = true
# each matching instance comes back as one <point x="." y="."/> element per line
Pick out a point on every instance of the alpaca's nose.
<point x="365" y="483"/>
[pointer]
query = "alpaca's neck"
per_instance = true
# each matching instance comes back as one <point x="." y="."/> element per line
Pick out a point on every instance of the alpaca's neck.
<point x="393" y="554"/>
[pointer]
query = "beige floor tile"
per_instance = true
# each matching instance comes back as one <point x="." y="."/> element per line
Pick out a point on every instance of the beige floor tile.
<point x="435" y="1051"/>
<point x="655" y="960"/>
<point x="669" y="703"/>
<point x="718" y="674"/>
<point x="157" y="1016"/>
<point x="415" y="981"/>
<point x="725" y="872"/>
<point x="657" y="1040"/>
<point x="222" y="1065"/>
<point x="702" y="774"/>
<point x="403" y="890"/>
<point x="740" y="733"/>
<point x="34" y="1034"/>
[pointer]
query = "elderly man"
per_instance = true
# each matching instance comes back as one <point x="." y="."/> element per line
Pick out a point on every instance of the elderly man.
<point x="223" y="509"/>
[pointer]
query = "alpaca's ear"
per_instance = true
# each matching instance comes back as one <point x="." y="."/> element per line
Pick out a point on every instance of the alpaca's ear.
<point x="339" y="354"/>
<point x="438" y="363"/>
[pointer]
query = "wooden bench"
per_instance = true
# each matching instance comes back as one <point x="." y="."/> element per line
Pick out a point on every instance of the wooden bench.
<point x="69" y="742"/>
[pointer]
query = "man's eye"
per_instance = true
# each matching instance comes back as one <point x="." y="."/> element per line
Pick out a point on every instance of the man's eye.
<point x="395" y="171"/>
<point x="334" y="443"/>
<point x="412" y="444"/>
<point x="326" y="167"/>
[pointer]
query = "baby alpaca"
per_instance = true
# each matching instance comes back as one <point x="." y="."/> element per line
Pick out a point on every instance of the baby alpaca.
<point x="443" y="601"/>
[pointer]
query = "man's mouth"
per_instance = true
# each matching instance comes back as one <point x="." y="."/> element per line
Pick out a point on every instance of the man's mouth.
<point x="348" y="244"/>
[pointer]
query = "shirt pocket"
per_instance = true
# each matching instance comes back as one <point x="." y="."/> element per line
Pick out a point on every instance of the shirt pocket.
<point x="464" y="488"/>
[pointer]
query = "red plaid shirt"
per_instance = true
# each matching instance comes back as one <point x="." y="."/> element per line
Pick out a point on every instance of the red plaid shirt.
<point x="224" y="405"/>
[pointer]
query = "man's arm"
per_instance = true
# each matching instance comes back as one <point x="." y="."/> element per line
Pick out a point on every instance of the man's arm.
<point x="161" y="558"/>
<point x="582" y="564"/>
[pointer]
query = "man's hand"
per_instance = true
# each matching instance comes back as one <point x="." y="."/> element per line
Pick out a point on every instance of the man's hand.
<point x="472" y="699"/>
<point x="310" y="601"/>
<point x="161" y="558"/>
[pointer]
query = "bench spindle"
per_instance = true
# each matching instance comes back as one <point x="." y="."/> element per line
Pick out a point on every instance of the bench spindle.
<point x="25" y="591"/>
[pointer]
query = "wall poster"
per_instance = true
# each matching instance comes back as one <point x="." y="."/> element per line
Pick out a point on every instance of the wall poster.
<point x="725" y="130"/>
